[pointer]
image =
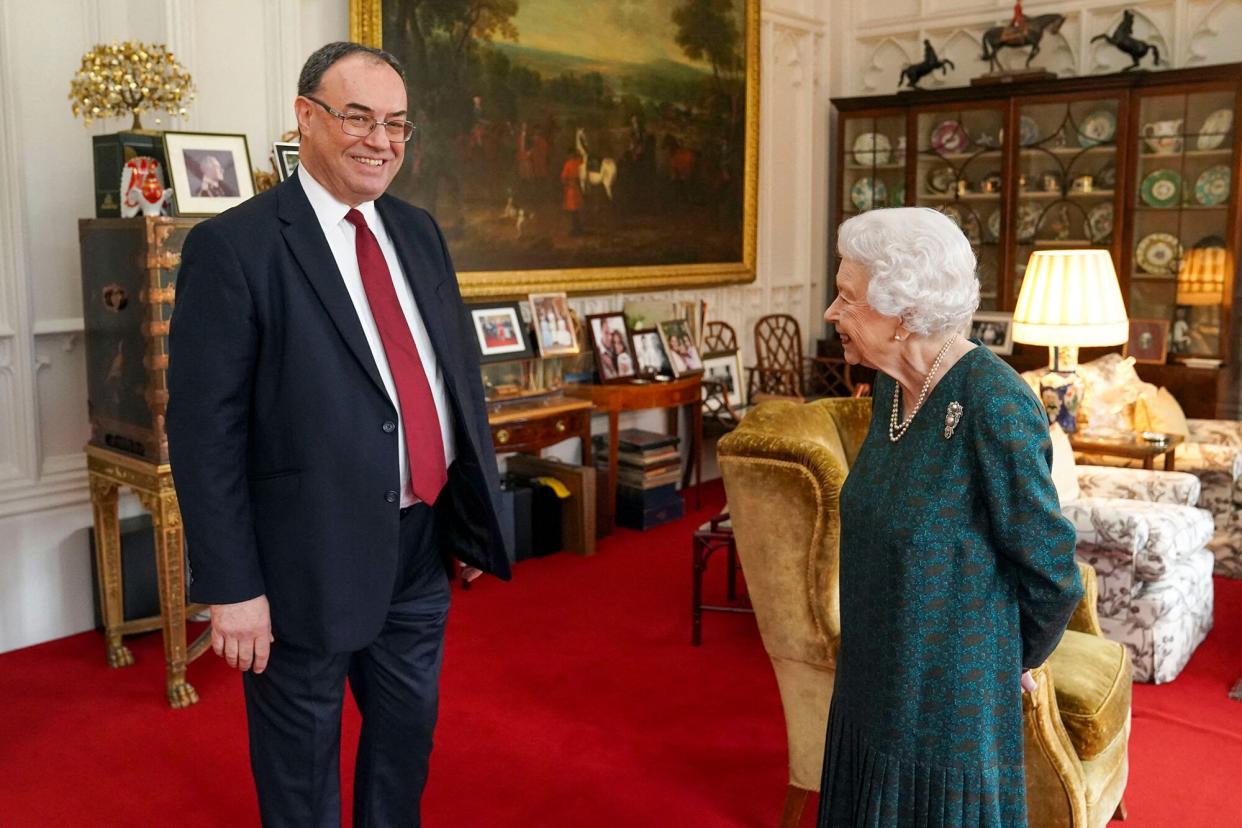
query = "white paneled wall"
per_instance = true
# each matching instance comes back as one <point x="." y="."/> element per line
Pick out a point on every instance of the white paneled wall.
<point x="245" y="56"/>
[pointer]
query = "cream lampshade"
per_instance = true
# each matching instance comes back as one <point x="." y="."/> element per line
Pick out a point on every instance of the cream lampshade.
<point x="1069" y="299"/>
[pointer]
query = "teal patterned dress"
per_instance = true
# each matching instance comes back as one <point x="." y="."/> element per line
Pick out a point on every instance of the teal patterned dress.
<point x="957" y="572"/>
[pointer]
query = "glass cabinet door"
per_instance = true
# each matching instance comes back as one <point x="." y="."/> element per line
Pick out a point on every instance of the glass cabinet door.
<point x="959" y="172"/>
<point x="1066" y="177"/>
<point x="1181" y="218"/>
<point x="874" y="165"/>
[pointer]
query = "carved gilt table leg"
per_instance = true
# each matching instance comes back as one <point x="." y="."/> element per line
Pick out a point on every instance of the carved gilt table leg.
<point x="169" y="560"/>
<point x="108" y="563"/>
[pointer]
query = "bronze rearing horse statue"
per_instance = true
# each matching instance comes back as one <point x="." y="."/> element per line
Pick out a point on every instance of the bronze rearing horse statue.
<point x="1123" y="38"/>
<point x="1019" y="37"/>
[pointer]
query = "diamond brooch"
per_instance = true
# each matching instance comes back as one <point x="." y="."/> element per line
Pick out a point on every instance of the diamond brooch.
<point x="951" y="418"/>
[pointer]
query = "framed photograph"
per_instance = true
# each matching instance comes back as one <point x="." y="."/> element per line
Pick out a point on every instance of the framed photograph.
<point x="209" y="172"/>
<point x="1149" y="340"/>
<point x="614" y="353"/>
<point x="286" y="156"/>
<point x="679" y="345"/>
<point x="555" y="330"/>
<point x="500" y="331"/>
<point x="993" y="329"/>
<point x="726" y="369"/>
<point x="621" y="161"/>
<point x="649" y="352"/>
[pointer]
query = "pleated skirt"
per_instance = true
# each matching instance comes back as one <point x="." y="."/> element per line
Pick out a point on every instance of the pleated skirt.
<point x="864" y="786"/>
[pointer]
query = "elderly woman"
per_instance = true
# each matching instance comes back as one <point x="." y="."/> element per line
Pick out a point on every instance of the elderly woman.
<point x="957" y="569"/>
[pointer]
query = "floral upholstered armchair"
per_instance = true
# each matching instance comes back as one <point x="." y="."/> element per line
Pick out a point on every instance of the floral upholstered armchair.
<point x="1116" y="399"/>
<point x="1142" y="534"/>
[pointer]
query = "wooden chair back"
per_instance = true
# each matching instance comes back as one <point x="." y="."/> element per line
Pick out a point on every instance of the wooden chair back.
<point x="778" y="356"/>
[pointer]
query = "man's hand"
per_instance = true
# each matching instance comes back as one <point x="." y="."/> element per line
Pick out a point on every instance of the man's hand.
<point x="1028" y="682"/>
<point x="242" y="633"/>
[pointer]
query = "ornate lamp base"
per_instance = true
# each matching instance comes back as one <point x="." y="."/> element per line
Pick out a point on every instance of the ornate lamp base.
<point x="1061" y="393"/>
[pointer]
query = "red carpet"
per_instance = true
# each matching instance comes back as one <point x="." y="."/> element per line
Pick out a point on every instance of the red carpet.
<point x="571" y="697"/>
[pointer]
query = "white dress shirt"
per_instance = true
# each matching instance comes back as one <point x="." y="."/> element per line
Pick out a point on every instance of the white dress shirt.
<point x="340" y="234"/>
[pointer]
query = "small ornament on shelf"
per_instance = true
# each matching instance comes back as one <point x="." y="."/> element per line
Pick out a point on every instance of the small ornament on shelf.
<point x="142" y="188"/>
<point x="124" y="78"/>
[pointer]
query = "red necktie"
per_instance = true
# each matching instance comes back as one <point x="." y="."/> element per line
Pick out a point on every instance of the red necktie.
<point x="423" y="439"/>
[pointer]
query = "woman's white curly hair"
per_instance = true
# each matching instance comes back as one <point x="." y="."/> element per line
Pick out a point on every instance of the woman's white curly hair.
<point x="921" y="265"/>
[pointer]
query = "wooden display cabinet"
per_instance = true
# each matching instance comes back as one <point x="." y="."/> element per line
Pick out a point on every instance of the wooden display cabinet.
<point x="1143" y="164"/>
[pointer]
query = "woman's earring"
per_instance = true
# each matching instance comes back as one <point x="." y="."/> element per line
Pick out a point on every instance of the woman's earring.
<point x="899" y="337"/>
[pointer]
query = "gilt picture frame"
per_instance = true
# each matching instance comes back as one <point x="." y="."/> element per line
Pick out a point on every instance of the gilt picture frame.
<point x="588" y="164"/>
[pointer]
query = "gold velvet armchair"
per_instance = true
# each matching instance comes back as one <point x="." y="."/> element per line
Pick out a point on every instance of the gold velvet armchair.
<point x="783" y="468"/>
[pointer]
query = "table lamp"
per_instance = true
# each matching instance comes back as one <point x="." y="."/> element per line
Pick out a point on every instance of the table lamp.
<point x="1069" y="299"/>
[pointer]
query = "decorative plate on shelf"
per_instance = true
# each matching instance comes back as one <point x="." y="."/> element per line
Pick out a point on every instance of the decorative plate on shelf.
<point x="1158" y="253"/>
<point x="994" y="227"/>
<point x="965" y="219"/>
<point x="1098" y="128"/>
<point x="872" y="148"/>
<point x="1028" y="131"/>
<point x="1212" y="186"/>
<point x="949" y="136"/>
<point x="1215" y="128"/>
<point x="1028" y="222"/>
<point x="867" y="193"/>
<point x="1099" y="223"/>
<point x="941" y="179"/>
<point x="1162" y="188"/>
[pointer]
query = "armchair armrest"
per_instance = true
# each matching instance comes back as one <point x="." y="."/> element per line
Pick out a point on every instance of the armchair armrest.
<point x="1130" y="542"/>
<point x="1216" y="432"/>
<point x="1138" y="484"/>
<point x="1055" y="780"/>
<point x="1086" y="617"/>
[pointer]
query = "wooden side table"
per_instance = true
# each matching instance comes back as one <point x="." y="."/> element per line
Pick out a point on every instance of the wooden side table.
<point x="531" y="426"/>
<point x="613" y="398"/>
<point x="108" y="471"/>
<point x="1132" y="447"/>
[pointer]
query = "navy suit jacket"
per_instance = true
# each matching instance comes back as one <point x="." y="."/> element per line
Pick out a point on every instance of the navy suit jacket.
<point x="280" y="431"/>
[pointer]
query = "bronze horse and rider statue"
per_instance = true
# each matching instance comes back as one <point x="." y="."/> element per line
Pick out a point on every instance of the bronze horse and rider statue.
<point x="1022" y="32"/>
<point x="915" y="72"/>
<point x="1123" y="38"/>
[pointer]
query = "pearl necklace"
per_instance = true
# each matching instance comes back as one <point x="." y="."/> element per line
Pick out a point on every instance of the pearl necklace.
<point x="895" y="431"/>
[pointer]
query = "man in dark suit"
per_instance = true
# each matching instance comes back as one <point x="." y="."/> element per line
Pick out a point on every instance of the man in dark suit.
<point x="331" y="451"/>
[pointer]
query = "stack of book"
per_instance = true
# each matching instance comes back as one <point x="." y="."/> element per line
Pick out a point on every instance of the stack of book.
<point x="648" y="468"/>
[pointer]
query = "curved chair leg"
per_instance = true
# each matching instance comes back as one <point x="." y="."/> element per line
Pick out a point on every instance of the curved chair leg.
<point x="1120" y="814"/>
<point x="795" y="802"/>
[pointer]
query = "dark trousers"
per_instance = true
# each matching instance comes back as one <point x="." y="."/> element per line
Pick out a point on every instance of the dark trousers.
<point x="294" y="707"/>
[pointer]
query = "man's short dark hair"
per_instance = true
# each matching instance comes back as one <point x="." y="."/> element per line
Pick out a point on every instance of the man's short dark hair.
<point x="324" y="57"/>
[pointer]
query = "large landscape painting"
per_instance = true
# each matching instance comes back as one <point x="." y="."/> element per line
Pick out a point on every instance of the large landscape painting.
<point x="580" y="144"/>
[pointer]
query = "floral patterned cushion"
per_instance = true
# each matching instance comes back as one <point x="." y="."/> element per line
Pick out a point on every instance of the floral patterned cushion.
<point x="1111" y="388"/>
<point x="1216" y="432"/>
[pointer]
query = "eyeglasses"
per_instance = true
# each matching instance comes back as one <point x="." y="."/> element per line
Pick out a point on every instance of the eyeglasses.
<point x="360" y="126"/>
